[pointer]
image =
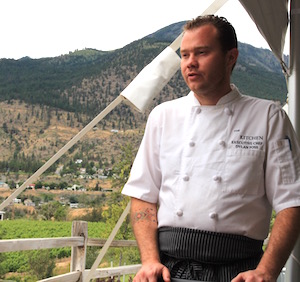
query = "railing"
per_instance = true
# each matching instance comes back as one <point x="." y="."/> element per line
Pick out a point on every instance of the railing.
<point x="78" y="242"/>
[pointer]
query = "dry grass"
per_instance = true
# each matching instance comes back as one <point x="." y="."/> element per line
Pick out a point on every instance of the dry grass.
<point x="29" y="127"/>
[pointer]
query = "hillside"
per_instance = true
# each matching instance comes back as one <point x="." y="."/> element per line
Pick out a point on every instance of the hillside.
<point x="32" y="134"/>
<point x="87" y="80"/>
<point x="44" y="102"/>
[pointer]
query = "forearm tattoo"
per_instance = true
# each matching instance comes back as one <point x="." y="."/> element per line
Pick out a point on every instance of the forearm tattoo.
<point x="148" y="214"/>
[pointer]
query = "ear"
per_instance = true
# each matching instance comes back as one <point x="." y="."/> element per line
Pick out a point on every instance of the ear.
<point x="232" y="56"/>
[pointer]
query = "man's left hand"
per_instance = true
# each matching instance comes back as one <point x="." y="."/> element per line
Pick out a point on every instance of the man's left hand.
<point x="253" y="276"/>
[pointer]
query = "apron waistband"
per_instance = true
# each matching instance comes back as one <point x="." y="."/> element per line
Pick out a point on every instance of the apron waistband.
<point x="207" y="246"/>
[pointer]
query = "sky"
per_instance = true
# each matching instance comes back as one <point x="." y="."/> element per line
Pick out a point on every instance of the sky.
<point x="49" y="28"/>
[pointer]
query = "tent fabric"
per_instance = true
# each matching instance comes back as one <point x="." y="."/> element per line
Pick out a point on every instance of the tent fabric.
<point x="271" y="19"/>
<point x="151" y="80"/>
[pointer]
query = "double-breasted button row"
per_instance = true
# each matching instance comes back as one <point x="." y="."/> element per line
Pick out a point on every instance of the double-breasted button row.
<point x="227" y="111"/>
<point x="212" y="215"/>
<point x="222" y="143"/>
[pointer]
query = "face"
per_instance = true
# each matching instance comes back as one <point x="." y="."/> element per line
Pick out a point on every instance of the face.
<point x="205" y="67"/>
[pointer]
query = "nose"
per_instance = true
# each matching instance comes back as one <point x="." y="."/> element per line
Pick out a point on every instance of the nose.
<point x="192" y="62"/>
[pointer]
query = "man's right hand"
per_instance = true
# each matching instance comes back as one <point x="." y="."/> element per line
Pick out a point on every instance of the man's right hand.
<point x="144" y="223"/>
<point x="152" y="272"/>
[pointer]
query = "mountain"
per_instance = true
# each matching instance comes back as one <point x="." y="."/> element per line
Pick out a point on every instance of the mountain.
<point x="57" y="81"/>
<point x="44" y="102"/>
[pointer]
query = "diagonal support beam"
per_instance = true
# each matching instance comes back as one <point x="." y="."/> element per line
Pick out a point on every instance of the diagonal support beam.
<point x="107" y="244"/>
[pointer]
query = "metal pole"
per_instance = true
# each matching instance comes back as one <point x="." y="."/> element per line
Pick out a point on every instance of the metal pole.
<point x="293" y="264"/>
<point x="294" y="79"/>
<point x="107" y="244"/>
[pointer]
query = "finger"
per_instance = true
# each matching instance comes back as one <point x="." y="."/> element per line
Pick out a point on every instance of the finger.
<point x="166" y="274"/>
<point x="238" y="278"/>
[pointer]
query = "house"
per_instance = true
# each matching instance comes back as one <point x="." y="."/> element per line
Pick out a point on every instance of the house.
<point x="17" y="201"/>
<point x="75" y="187"/>
<point x="82" y="170"/>
<point x="29" y="203"/>
<point x="31" y="186"/>
<point x="73" y="205"/>
<point x="102" y="177"/>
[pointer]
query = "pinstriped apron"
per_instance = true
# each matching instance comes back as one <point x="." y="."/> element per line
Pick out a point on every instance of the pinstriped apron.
<point x="207" y="256"/>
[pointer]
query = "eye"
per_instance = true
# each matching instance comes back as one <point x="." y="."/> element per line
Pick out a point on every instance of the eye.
<point x="184" y="55"/>
<point x="199" y="53"/>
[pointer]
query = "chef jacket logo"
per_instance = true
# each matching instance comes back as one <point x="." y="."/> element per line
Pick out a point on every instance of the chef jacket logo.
<point x="248" y="142"/>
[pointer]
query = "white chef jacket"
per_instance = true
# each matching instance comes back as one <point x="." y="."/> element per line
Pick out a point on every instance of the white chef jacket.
<point x="219" y="168"/>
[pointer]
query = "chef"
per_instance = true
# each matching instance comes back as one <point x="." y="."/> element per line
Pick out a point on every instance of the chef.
<point x="211" y="167"/>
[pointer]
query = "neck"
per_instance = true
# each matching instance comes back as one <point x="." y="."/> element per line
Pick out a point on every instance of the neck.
<point x="211" y="98"/>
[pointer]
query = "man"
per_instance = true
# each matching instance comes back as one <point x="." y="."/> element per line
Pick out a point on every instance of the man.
<point x="210" y="169"/>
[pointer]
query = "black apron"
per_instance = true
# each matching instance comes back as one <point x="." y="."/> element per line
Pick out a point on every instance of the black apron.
<point x="207" y="256"/>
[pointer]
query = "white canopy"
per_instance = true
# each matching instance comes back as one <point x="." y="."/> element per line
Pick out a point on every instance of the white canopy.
<point x="271" y="18"/>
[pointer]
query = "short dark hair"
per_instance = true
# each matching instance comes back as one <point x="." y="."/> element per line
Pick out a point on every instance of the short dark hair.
<point x="227" y="35"/>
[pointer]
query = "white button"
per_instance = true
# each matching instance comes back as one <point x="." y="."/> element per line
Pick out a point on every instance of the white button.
<point x="179" y="213"/>
<point x="186" y="178"/>
<point x="217" y="178"/>
<point x="198" y="111"/>
<point x="192" y="143"/>
<point x="213" y="215"/>
<point x="228" y="111"/>
<point x="221" y="143"/>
